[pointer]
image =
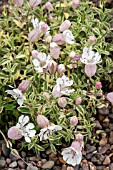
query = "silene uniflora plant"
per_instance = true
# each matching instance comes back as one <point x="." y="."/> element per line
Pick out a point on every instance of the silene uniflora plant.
<point x="55" y="56"/>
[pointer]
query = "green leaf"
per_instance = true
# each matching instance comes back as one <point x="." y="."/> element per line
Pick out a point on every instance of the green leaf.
<point x="80" y="109"/>
<point x="24" y="109"/>
<point x="53" y="148"/>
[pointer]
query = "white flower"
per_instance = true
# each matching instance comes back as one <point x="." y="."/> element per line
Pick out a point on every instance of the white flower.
<point x="72" y="156"/>
<point x="25" y="130"/>
<point x="48" y="131"/>
<point x="61" y="88"/>
<point x="89" y="57"/>
<point x="39" y="25"/>
<point x="41" y="62"/>
<point x="53" y="44"/>
<point x="17" y="94"/>
<point x="68" y="37"/>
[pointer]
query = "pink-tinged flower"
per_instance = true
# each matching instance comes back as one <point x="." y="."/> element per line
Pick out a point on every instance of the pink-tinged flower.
<point x="44" y="28"/>
<point x="62" y="102"/>
<point x="65" y="25"/>
<point x="79" y="137"/>
<point x="49" y="6"/>
<point x="110" y="97"/>
<point x="24" y="86"/>
<point x="98" y="85"/>
<point x="41" y="62"/>
<point x="46" y="95"/>
<point x="34" y="53"/>
<point x="75" y="3"/>
<point x="13" y="133"/>
<point x="52" y="66"/>
<point x="42" y="121"/>
<point x="51" y="18"/>
<point x="22" y="129"/>
<point x="17" y="94"/>
<point x="34" y="3"/>
<point x="78" y="101"/>
<point x="54" y="50"/>
<point x="59" y="39"/>
<point x="46" y="132"/>
<point x="77" y="145"/>
<point x="61" y="69"/>
<point x="91" y="39"/>
<point x="72" y="155"/>
<point x="68" y="37"/>
<point x="90" y="70"/>
<point x="19" y="2"/>
<point x="62" y="87"/>
<point x="47" y="38"/>
<point x="73" y="120"/>
<point x="33" y="35"/>
<point x="72" y="55"/>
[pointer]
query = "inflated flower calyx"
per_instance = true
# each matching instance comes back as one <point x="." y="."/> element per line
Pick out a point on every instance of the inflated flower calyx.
<point x="24" y="86"/>
<point x="98" y="85"/>
<point x="78" y="101"/>
<point x="34" y="3"/>
<point x="75" y="3"/>
<point x="42" y="121"/>
<point x="91" y="39"/>
<point x="52" y="66"/>
<point x="61" y="69"/>
<point x="73" y="120"/>
<point x="62" y="102"/>
<point x="19" y="2"/>
<point x="79" y="137"/>
<point x="65" y="25"/>
<point x="13" y="133"/>
<point x="54" y="50"/>
<point x="49" y="6"/>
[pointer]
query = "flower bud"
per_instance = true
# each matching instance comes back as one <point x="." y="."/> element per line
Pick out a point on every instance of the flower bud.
<point x="52" y="66"/>
<point x="62" y="102"/>
<point x="77" y="57"/>
<point x="54" y="50"/>
<point x="19" y="2"/>
<point x="24" y="86"/>
<point x="77" y="145"/>
<point x="33" y="35"/>
<point x="44" y="28"/>
<point x="34" y="53"/>
<point x="49" y="6"/>
<point x="59" y="39"/>
<point x="78" y="101"/>
<point x="65" y="25"/>
<point x="61" y="69"/>
<point x="79" y="137"/>
<point x="72" y="55"/>
<point x="50" y="18"/>
<point x="73" y="120"/>
<point x="13" y="133"/>
<point x="91" y="39"/>
<point x="75" y="3"/>
<point x="34" y="3"/>
<point x="46" y="95"/>
<point x="42" y="121"/>
<point x="98" y="85"/>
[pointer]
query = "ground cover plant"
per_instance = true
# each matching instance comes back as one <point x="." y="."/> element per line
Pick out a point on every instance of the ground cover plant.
<point x="55" y="67"/>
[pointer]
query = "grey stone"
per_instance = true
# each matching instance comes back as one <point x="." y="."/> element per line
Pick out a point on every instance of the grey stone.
<point x="106" y="161"/>
<point x="8" y="160"/>
<point x="5" y="150"/>
<point x="98" y="158"/>
<point x="13" y="164"/>
<point x="48" y="151"/>
<point x="103" y="149"/>
<point x="13" y="157"/>
<point x="64" y="167"/>
<point x="57" y="168"/>
<point x="103" y="111"/>
<point x="23" y="154"/>
<point x="34" y="158"/>
<point x="111" y="166"/>
<point x="2" y="163"/>
<point x="48" y="165"/>
<point x="21" y="164"/>
<point x="90" y="148"/>
<point x="85" y="166"/>
<point x="31" y="167"/>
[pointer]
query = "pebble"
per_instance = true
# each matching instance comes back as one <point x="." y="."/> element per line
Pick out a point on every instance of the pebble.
<point x="2" y="163"/>
<point x="92" y="167"/>
<point x="39" y="164"/>
<point x="111" y="138"/>
<point x="48" y="165"/>
<point x="34" y="158"/>
<point x="70" y="168"/>
<point x="90" y="148"/>
<point x="43" y="160"/>
<point x="85" y="166"/>
<point x="89" y="156"/>
<point x="23" y="154"/>
<point x="106" y="161"/>
<point x="8" y="160"/>
<point x="98" y="158"/>
<point x="97" y="125"/>
<point x="100" y="167"/>
<point x="64" y="167"/>
<point x="103" y="141"/>
<point x="48" y="151"/>
<point x="5" y="150"/>
<point x="57" y="168"/>
<point x="13" y="164"/>
<point x="13" y="157"/>
<point x="21" y="164"/>
<point x="31" y="167"/>
<point x="103" y="111"/>
<point x="111" y="166"/>
<point x="103" y="149"/>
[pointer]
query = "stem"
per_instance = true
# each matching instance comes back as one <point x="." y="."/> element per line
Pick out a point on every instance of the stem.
<point x="77" y="74"/>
